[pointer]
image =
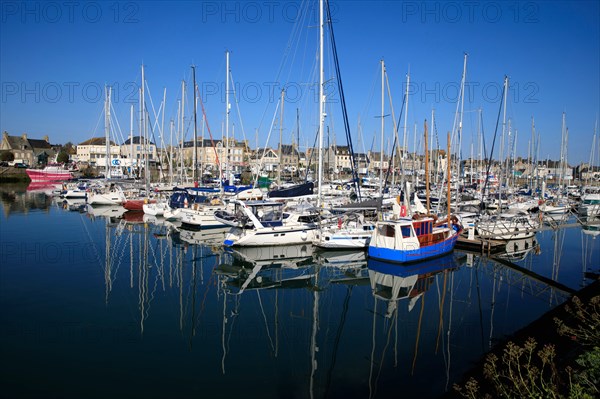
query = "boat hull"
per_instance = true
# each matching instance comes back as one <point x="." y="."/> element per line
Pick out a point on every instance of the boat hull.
<point x="137" y="204"/>
<point x="342" y="240"/>
<point x="202" y="218"/>
<point x="413" y="255"/>
<point x="40" y="175"/>
<point x="279" y="235"/>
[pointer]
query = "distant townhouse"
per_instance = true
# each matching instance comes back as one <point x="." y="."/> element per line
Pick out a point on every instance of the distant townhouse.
<point x="137" y="148"/>
<point x="93" y="151"/>
<point x="31" y="151"/>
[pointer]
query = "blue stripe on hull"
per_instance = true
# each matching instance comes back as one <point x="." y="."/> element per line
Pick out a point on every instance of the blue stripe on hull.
<point x="414" y="255"/>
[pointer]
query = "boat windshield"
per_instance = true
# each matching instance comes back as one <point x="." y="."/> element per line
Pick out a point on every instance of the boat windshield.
<point x="268" y="213"/>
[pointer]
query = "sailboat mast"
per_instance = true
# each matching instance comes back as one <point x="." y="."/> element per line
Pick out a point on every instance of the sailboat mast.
<point x="462" y="107"/>
<point x="171" y="125"/>
<point x="107" y="130"/>
<point x="144" y="145"/>
<point x="382" y="129"/>
<point x="182" y="126"/>
<point x="502" y="146"/>
<point x="195" y="157"/>
<point x="405" y="138"/>
<point x="131" y="139"/>
<point x="227" y="112"/>
<point x="280" y="138"/>
<point x="321" y="102"/>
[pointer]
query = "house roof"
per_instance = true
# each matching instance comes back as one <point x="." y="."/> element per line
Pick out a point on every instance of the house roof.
<point x="287" y="149"/>
<point x="96" y="141"/>
<point x="39" y="144"/>
<point x="17" y="142"/>
<point x="137" y="140"/>
<point x="22" y="142"/>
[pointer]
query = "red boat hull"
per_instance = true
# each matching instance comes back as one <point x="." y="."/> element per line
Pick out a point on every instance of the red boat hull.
<point x="137" y="205"/>
<point x="41" y="175"/>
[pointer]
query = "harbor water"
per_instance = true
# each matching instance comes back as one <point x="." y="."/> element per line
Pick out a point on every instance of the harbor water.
<point x="100" y="303"/>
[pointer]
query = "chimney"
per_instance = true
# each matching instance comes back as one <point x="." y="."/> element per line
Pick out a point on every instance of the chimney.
<point x="45" y="138"/>
<point x="24" y="136"/>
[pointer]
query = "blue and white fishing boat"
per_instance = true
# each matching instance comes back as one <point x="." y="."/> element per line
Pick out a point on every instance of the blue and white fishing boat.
<point x="407" y="240"/>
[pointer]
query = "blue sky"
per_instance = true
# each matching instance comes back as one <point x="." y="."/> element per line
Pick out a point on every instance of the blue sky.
<point x="55" y="57"/>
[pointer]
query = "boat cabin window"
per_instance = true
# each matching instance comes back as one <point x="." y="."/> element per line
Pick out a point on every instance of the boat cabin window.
<point x="423" y="228"/>
<point x="386" y="230"/>
<point x="269" y="213"/>
<point x="405" y="231"/>
<point x="309" y="219"/>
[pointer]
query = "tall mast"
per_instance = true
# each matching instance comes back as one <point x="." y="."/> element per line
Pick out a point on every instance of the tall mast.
<point x="144" y="145"/>
<point x="107" y="130"/>
<point x="131" y="139"/>
<point x="405" y="139"/>
<point x="280" y="139"/>
<point x="321" y="101"/>
<point x="462" y="106"/>
<point x="227" y="112"/>
<point x="171" y="125"/>
<point x="298" y="141"/>
<point x="182" y="125"/>
<point x="195" y="157"/>
<point x="382" y="129"/>
<point x="502" y="142"/>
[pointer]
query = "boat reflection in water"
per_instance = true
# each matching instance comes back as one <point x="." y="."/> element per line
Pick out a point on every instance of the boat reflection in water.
<point x="392" y="282"/>
<point x="105" y="211"/>
<point x="267" y="267"/>
<point x="200" y="237"/>
<point x="518" y="250"/>
<point x="591" y="226"/>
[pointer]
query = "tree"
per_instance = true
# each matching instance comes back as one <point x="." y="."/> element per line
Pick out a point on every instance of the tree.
<point x="63" y="157"/>
<point x="7" y="156"/>
<point x="70" y="148"/>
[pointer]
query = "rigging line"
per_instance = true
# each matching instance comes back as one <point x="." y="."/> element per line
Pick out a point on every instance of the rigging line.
<point x="489" y="165"/>
<point x="265" y="318"/>
<point x="237" y="105"/>
<point x="479" y="303"/>
<point x="91" y="241"/>
<point x="338" y="337"/>
<point x="449" y="329"/>
<point x="280" y="69"/>
<point x="397" y="127"/>
<point x="116" y="120"/>
<point x="367" y="106"/>
<point x="412" y="371"/>
<point x="98" y="122"/>
<point x="441" y="318"/>
<point x="212" y="142"/>
<point x="299" y="36"/>
<point x="387" y="344"/>
<point x="260" y="164"/>
<point x="156" y="114"/>
<point x="311" y="156"/>
<point x="353" y="160"/>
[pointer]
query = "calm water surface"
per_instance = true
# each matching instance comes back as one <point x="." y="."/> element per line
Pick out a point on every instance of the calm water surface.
<point x="99" y="304"/>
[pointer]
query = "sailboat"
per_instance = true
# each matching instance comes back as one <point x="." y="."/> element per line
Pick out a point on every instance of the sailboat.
<point x="112" y="194"/>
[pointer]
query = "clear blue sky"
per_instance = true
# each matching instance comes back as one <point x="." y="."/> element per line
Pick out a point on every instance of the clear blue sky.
<point x="56" y="57"/>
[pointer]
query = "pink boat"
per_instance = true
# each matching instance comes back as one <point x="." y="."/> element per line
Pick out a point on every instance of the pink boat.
<point x="49" y="173"/>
